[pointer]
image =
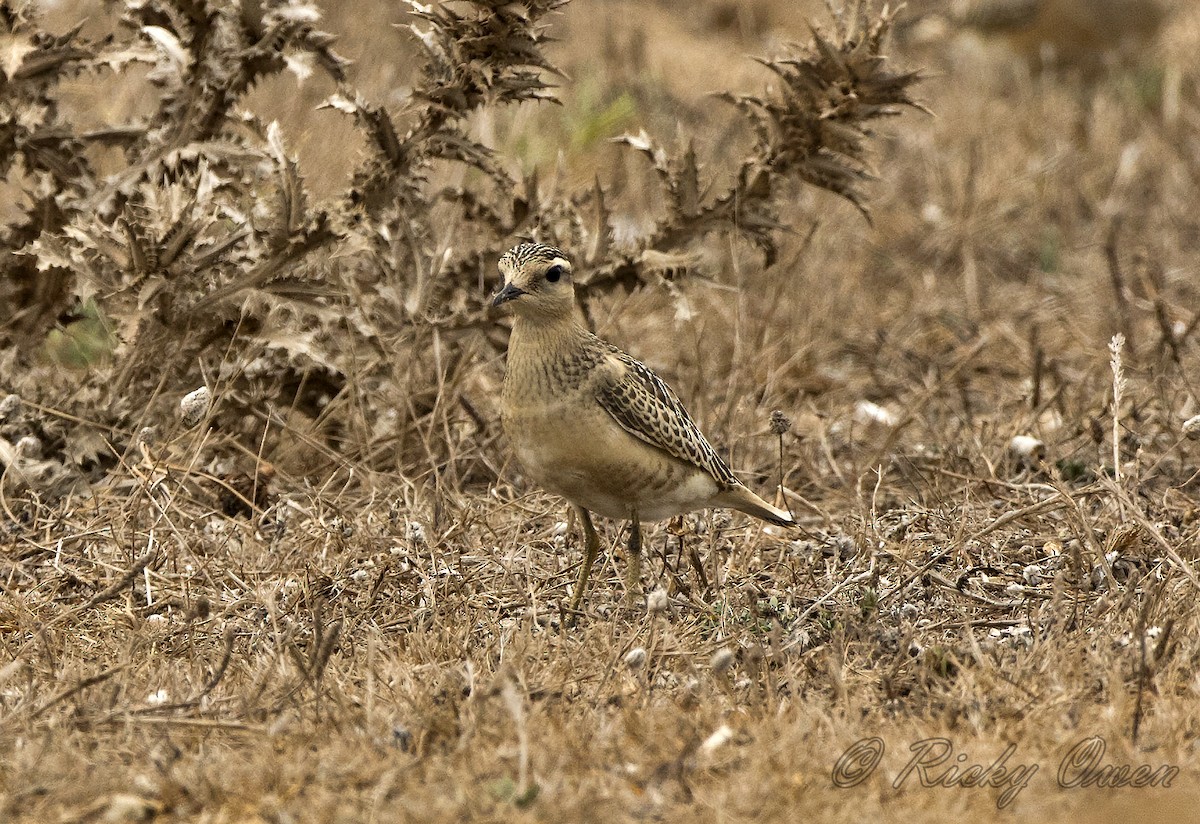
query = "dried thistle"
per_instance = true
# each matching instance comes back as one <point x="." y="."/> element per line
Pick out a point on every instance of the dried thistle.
<point x="487" y="54"/>
<point x="781" y="424"/>
<point x="204" y="248"/>
<point x="814" y="129"/>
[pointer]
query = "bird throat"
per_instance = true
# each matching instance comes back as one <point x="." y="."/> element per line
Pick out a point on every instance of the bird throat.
<point x="548" y="355"/>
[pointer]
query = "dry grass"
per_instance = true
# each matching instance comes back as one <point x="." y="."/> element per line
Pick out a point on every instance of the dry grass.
<point x="335" y="600"/>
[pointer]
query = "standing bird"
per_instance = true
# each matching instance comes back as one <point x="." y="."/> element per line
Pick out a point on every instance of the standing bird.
<point x="592" y="424"/>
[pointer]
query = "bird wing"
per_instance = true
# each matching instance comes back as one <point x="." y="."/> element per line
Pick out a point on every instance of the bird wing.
<point x="645" y="407"/>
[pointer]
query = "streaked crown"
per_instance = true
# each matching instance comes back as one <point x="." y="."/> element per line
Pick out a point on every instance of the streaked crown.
<point x="537" y="282"/>
<point x="535" y="267"/>
<point x="521" y="256"/>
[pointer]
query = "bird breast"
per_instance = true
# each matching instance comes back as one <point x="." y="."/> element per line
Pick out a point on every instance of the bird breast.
<point x="571" y="446"/>
<point x="577" y="450"/>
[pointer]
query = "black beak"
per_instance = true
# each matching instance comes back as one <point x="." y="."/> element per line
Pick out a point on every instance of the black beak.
<point x="509" y="292"/>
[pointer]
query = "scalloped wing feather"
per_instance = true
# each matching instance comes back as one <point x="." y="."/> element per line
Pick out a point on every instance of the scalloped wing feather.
<point x="642" y="403"/>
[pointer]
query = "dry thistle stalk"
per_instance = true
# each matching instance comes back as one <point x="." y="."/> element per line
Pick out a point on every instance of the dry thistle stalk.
<point x="781" y="424"/>
<point x="814" y="129"/>
<point x="204" y="247"/>
<point x="486" y="54"/>
<point x="205" y="204"/>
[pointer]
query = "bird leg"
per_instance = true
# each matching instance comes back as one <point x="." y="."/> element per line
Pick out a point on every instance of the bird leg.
<point x="633" y="569"/>
<point x="593" y="549"/>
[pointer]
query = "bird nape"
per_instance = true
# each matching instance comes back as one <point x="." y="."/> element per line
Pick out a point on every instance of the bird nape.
<point x="588" y="422"/>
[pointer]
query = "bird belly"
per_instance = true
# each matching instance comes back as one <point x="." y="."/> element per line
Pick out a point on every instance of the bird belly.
<point x="585" y="456"/>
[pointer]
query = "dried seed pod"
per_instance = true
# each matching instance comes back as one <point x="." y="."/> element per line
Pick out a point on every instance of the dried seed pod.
<point x="781" y="424"/>
<point x="29" y="447"/>
<point x="9" y="407"/>
<point x="657" y="601"/>
<point x="722" y="660"/>
<point x="1191" y="428"/>
<point x="720" y="737"/>
<point x="635" y="659"/>
<point x="1028" y="450"/>
<point x="200" y="610"/>
<point x="868" y="413"/>
<point x="195" y="406"/>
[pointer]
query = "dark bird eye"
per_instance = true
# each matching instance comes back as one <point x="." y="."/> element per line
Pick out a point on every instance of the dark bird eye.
<point x="554" y="273"/>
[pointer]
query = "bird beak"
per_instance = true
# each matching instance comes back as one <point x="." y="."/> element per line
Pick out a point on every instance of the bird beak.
<point x="509" y="292"/>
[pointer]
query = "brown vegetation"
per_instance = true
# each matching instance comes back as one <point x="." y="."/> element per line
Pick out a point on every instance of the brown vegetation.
<point x="316" y="590"/>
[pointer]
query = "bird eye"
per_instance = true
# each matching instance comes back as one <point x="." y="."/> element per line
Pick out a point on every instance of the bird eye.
<point x="554" y="273"/>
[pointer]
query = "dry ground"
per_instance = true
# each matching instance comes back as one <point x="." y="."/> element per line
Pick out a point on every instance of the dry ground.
<point x="375" y="646"/>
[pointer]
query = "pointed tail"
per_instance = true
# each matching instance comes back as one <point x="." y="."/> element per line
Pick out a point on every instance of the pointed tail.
<point x="743" y="500"/>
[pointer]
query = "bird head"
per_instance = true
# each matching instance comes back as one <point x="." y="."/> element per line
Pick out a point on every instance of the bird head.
<point x="537" y="282"/>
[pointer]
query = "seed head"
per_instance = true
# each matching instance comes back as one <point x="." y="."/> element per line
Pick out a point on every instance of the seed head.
<point x="722" y="660"/>
<point x="201" y="609"/>
<point x="657" y="601"/>
<point x="781" y="424"/>
<point x="1191" y="428"/>
<point x="9" y="407"/>
<point x="194" y="406"/>
<point x="1028" y="450"/>
<point x="29" y="446"/>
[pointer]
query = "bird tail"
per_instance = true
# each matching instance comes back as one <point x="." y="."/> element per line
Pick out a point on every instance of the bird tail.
<point x="743" y="500"/>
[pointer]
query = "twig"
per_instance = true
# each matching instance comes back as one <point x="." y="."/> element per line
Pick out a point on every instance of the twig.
<point x="203" y="723"/>
<point x="858" y="578"/>
<point x="1120" y="291"/>
<point x="1143" y="672"/>
<point x="1135" y="511"/>
<point x="66" y="693"/>
<point x="912" y="409"/>
<point x="1039" y="366"/>
<point x="227" y="656"/>
<point x="1088" y="533"/>
<point x="1038" y="508"/>
<point x="107" y="594"/>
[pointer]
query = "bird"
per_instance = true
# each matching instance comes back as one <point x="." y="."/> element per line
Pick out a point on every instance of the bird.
<point x="593" y="425"/>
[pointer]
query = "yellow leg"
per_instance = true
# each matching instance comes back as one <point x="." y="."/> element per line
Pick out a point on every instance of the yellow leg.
<point x="592" y="550"/>
<point x="633" y="570"/>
